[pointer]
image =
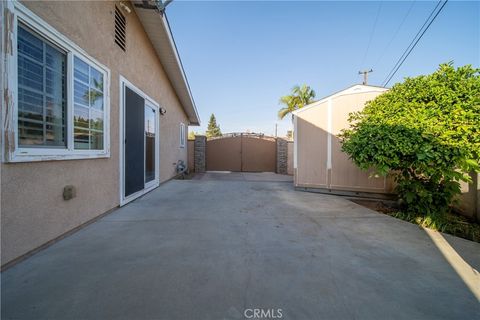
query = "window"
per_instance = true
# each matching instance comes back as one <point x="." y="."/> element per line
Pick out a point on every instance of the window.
<point x="41" y="91"/>
<point x="88" y="106"/>
<point x="182" y="135"/>
<point x="61" y="106"/>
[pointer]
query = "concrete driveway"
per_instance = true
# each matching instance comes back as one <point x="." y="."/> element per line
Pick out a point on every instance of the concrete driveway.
<point x="213" y="248"/>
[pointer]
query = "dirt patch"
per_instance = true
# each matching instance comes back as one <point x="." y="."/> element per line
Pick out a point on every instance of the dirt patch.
<point x="376" y="205"/>
<point x="449" y="223"/>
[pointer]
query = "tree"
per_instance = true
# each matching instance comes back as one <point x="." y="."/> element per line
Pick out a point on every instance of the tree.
<point x="300" y="97"/>
<point x="213" y="130"/>
<point x="425" y="132"/>
<point x="191" y="135"/>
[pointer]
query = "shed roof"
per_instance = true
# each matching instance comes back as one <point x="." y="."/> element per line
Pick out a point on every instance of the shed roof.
<point x="354" y="89"/>
<point x="158" y="31"/>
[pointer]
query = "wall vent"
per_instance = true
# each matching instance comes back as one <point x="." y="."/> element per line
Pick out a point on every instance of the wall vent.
<point x="120" y="26"/>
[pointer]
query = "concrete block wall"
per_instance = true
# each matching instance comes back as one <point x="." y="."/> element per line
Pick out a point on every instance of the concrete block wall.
<point x="200" y="146"/>
<point x="191" y="153"/>
<point x="290" y="158"/>
<point x="282" y="156"/>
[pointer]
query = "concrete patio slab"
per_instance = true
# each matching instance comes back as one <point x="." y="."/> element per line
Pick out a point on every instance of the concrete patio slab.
<point x="210" y="249"/>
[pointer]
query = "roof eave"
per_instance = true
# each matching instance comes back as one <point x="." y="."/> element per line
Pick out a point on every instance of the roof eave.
<point x="158" y="31"/>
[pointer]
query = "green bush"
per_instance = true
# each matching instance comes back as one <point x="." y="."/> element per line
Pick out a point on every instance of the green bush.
<point x="425" y="132"/>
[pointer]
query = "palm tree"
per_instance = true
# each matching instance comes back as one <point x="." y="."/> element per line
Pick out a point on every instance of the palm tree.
<point x="299" y="98"/>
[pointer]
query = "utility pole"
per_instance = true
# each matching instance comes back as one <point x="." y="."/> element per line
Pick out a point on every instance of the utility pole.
<point x="365" y="75"/>
<point x="276" y="126"/>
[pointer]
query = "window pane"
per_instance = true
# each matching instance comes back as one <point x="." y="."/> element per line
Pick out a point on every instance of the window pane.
<point x="96" y="89"/>
<point x="30" y="74"/>
<point x="81" y="94"/>
<point x="30" y="104"/>
<point x="81" y="71"/>
<point x="41" y="91"/>
<point x="149" y="144"/>
<point x="53" y="134"/>
<point x="96" y="99"/>
<point x="29" y="45"/>
<point x="81" y="117"/>
<point x="55" y="124"/>
<point x="81" y="139"/>
<point x="30" y="132"/>
<point x="53" y="59"/>
<point x="97" y="140"/>
<point x="88" y="107"/>
<point x="53" y="83"/>
<point x="182" y="135"/>
<point x="96" y="120"/>
<point x="96" y="79"/>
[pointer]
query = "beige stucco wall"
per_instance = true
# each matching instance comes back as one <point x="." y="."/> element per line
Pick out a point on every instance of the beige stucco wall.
<point x="312" y="130"/>
<point x="33" y="210"/>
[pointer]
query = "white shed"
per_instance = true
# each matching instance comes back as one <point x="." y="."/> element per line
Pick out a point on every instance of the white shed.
<point x="319" y="163"/>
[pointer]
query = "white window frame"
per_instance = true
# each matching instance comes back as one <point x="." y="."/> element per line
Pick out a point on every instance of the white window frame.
<point x="182" y="135"/>
<point x="16" y="153"/>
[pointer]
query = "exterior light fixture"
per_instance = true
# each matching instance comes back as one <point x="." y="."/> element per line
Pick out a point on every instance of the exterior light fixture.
<point x="125" y="7"/>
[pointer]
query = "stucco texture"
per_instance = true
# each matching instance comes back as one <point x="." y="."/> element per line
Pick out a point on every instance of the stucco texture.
<point x="33" y="209"/>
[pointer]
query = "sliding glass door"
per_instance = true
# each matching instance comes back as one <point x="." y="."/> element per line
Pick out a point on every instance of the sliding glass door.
<point x="150" y="149"/>
<point x="141" y="143"/>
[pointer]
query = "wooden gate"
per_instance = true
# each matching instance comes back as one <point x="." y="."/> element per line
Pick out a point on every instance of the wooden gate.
<point x="241" y="152"/>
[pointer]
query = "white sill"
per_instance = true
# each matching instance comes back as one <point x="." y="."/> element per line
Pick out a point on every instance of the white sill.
<point x="55" y="157"/>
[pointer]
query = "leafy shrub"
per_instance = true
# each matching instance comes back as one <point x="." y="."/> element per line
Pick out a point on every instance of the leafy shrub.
<point x="425" y="132"/>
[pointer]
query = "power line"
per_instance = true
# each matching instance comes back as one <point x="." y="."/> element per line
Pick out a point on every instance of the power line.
<point x="373" y="32"/>
<point x="414" y="42"/>
<point x="395" y="33"/>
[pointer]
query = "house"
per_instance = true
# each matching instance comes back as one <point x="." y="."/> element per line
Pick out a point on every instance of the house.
<point x="319" y="163"/>
<point x="95" y="109"/>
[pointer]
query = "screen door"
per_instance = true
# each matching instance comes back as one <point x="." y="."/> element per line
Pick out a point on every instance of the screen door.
<point x="134" y="142"/>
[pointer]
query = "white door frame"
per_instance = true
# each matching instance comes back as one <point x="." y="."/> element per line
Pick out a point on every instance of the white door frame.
<point x="156" y="107"/>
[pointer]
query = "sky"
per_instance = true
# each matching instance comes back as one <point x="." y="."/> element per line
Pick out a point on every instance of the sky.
<point x="240" y="57"/>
